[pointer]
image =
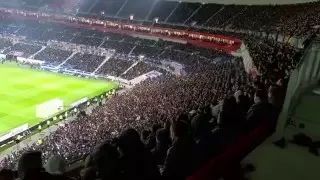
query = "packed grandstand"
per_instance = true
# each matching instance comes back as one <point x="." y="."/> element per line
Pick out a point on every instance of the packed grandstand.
<point x="195" y="79"/>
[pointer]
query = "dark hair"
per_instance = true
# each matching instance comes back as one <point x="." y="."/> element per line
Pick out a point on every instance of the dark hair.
<point x="103" y="153"/>
<point x="155" y="127"/>
<point x="274" y="91"/>
<point x="229" y="104"/>
<point x="200" y="125"/>
<point x="182" y="117"/>
<point x="105" y="158"/>
<point x="180" y="128"/>
<point x="261" y="94"/>
<point x="163" y="136"/>
<point x="129" y="142"/>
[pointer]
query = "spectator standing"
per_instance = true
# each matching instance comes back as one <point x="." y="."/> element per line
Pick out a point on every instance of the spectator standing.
<point x="136" y="160"/>
<point x="261" y="109"/>
<point x="163" y="143"/>
<point x="181" y="160"/>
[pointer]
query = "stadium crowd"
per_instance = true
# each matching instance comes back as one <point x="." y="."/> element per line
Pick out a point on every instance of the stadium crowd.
<point x="115" y="66"/>
<point x="169" y="126"/>
<point x="187" y="103"/>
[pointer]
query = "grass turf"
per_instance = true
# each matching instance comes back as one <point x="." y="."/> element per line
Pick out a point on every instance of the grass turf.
<point x="21" y="89"/>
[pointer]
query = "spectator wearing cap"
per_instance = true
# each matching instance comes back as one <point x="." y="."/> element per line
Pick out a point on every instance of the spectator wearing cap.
<point x="181" y="158"/>
<point x="136" y="160"/>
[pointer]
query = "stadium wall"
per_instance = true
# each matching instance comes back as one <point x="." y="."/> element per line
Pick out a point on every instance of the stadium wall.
<point x="302" y="80"/>
<point x="248" y="2"/>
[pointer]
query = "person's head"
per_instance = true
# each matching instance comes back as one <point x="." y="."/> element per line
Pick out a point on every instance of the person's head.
<point x="179" y="129"/>
<point x="105" y="159"/>
<point x="260" y="96"/>
<point x="145" y="134"/>
<point x="276" y="96"/>
<point x="228" y="104"/>
<point x="29" y="162"/>
<point x="55" y="165"/>
<point x="163" y="137"/>
<point x="241" y="99"/>
<point x="182" y="117"/>
<point x="200" y="126"/>
<point x="155" y="127"/>
<point x="130" y="143"/>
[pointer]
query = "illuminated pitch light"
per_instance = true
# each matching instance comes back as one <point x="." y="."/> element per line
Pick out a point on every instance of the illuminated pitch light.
<point x="156" y="20"/>
<point x="102" y="12"/>
<point x="131" y="17"/>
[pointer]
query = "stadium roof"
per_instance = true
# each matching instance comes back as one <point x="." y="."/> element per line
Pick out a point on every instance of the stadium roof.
<point x="250" y="2"/>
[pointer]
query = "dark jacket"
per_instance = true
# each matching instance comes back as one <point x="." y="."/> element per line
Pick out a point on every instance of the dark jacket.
<point x="260" y="112"/>
<point x="181" y="160"/>
<point x="140" y="166"/>
<point x="159" y="154"/>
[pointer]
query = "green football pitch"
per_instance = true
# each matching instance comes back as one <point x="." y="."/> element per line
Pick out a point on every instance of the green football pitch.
<point x="21" y="89"/>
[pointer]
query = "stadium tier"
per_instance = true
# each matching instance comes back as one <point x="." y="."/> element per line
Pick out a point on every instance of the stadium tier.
<point x="202" y="86"/>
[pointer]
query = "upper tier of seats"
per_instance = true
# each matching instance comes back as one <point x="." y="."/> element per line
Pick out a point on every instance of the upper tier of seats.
<point x="296" y="19"/>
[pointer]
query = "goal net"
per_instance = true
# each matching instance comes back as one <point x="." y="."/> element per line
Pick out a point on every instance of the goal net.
<point x="49" y="108"/>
